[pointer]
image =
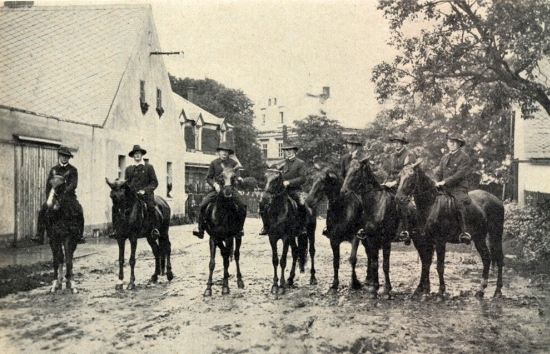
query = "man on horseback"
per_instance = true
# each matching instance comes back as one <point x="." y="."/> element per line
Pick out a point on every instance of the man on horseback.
<point x="451" y="174"/>
<point x="66" y="195"/>
<point x="294" y="176"/>
<point x="214" y="173"/>
<point x="400" y="158"/>
<point x="141" y="177"/>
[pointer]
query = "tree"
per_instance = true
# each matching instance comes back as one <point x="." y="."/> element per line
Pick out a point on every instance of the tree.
<point x="489" y="50"/>
<point x="236" y="108"/>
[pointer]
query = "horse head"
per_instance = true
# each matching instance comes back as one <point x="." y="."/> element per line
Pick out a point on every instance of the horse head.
<point x="359" y="177"/>
<point x="120" y="191"/>
<point x="408" y="182"/>
<point x="56" y="182"/>
<point x="327" y="182"/>
<point x="227" y="181"/>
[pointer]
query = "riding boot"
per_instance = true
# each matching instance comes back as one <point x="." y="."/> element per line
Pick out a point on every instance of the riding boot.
<point x="304" y="216"/>
<point x="153" y="222"/>
<point x="264" y="229"/>
<point x="80" y="237"/>
<point x="464" y="236"/>
<point x="199" y="232"/>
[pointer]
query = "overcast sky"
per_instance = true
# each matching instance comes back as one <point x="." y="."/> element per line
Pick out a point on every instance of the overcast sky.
<point x="278" y="48"/>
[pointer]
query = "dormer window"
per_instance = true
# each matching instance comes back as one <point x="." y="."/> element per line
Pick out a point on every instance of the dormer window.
<point x="159" y="109"/>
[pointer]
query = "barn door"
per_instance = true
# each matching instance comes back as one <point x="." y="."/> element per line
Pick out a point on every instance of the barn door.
<point x="32" y="165"/>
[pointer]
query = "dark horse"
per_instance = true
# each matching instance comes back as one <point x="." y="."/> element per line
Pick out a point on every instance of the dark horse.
<point x="64" y="223"/>
<point x="380" y="222"/>
<point x="440" y="222"/>
<point x="285" y="224"/>
<point x="132" y="225"/>
<point x="343" y="216"/>
<point x="223" y="220"/>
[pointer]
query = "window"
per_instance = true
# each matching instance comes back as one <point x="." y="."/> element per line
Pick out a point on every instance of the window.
<point x="144" y="105"/>
<point x="263" y="119"/>
<point x="269" y="102"/>
<point x="274" y="101"/>
<point x="160" y="110"/>
<point x="121" y="166"/>
<point x="198" y="146"/>
<point x="281" y="154"/>
<point x="264" y="150"/>
<point x="282" y="117"/>
<point x="168" y="179"/>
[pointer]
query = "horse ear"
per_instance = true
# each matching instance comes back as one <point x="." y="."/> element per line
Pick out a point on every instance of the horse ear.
<point x="108" y="182"/>
<point x="318" y="166"/>
<point x="417" y="163"/>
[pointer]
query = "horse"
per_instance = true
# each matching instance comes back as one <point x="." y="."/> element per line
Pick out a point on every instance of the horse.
<point x="284" y="223"/>
<point x="440" y="225"/>
<point x="223" y="220"/>
<point x="64" y="222"/>
<point x="132" y="224"/>
<point x="380" y="222"/>
<point x="344" y="216"/>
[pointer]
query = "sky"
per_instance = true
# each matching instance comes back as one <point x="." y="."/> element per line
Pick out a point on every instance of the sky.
<point x="277" y="48"/>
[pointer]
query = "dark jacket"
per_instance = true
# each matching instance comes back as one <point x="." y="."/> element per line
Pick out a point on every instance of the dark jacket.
<point x="141" y="177"/>
<point x="294" y="172"/>
<point x="398" y="160"/>
<point x="454" y="169"/>
<point x="70" y="173"/>
<point x="215" y="169"/>
<point x="345" y="160"/>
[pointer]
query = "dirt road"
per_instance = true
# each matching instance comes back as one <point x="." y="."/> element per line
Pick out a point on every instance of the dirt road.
<point x="175" y="317"/>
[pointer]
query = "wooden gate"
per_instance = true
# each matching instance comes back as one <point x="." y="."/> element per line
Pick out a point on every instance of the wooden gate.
<point x="32" y="165"/>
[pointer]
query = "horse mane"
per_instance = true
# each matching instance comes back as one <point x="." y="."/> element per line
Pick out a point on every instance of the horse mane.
<point x="442" y="207"/>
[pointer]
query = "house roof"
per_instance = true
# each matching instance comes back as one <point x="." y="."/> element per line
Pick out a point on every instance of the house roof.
<point x="194" y="112"/>
<point x="66" y="61"/>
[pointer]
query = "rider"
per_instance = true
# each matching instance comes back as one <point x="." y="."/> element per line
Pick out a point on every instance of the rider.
<point x="294" y="176"/>
<point x="67" y="193"/>
<point x="355" y="151"/>
<point x="400" y="158"/>
<point x="451" y="173"/>
<point x="141" y="177"/>
<point x="214" y="171"/>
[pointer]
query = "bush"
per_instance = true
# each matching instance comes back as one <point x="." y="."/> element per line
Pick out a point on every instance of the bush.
<point x="529" y="229"/>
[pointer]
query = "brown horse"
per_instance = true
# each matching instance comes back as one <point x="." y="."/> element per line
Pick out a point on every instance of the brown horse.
<point x="440" y="220"/>
<point x="131" y="213"/>
<point x="285" y="224"/>
<point x="344" y="216"/>
<point x="223" y="220"/>
<point x="64" y="224"/>
<point x="380" y="222"/>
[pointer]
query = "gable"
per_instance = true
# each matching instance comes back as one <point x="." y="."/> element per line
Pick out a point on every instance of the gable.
<point x="66" y="62"/>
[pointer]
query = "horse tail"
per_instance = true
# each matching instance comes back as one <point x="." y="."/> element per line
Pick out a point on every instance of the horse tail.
<point x="495" y="229"/>
<point x="303" y="242"/>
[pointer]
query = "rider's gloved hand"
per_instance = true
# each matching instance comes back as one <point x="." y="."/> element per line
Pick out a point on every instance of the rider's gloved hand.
<point x="217" y="187"/>
<point x="440" y="183"/>
<point x="286" y="183"/>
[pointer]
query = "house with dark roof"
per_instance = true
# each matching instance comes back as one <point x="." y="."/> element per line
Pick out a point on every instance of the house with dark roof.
<point x="532" y="149"/>
<point x="90" y="78"/>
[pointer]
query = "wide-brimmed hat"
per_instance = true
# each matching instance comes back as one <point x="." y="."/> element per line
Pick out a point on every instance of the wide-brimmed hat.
<point x="289" y="146"/>
<point x="456" y="136"/>
<point x="137" y="148"/>
<point x="225" y="146"/>
<point x="400" y="138"/>
<point x="63" y="150"/>
<point x="354" y="140"/>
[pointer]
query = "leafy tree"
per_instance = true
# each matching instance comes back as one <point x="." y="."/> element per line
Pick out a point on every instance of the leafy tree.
<point x="236" y="108"/>
<point x="489" y="50"/>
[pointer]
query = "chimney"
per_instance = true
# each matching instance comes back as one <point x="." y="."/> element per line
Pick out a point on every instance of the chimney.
<point x="190" y="92"/>
<point x="326" y="92"/>
<point x="18" y="4"/>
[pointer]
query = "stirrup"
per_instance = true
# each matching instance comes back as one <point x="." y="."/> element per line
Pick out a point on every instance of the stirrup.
<point x="38" y="240"/>
<point x="155" y="233"/>
<point x="361" y="234"/>
<point x="199" y="233"/>
<point x="263" y="231"/>
<point x="325" y="232"/>
<point x="404" y="236"/>
<point x="465" y="238"/>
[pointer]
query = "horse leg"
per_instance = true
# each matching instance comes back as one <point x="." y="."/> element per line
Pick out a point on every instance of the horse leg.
<point x="372" y="254"/>
<point x="386" y="252"/>
<point x="282" y="281"/>
<point x="483" y="250"/>
<point x="238" y="242"/>
<point x="166" y="250"/>
<point x="226" y="251"/>
<point x="133" y="246"/>
<point x="294" y="250"/>
<point x="440" y="250"/>
<point x="121" y="244"/>
<point x="55" y="245"/>
<point x="335" y="245"/>
<point x="355" y="283"/>
<point x="275" y="262"/>
<point x="70" y="246"/>
<point x="311" y="236"/>
<point x="425" y="251"/>
<point x="211" y="266"/>
<point x="156" y="253"/>
<point x="495" y="227"/>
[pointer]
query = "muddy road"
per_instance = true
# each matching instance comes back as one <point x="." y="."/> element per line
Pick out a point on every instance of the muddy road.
<point x="175" y="317"/>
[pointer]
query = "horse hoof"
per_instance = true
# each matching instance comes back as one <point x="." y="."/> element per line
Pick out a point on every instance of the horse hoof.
<point x="274" y="289"/>
<point x="356" y="285"/>
<point x="373" y="295"/>
<point x="479" y="294"/>
<point x="333" y="290"/>
<point x="169" y="276"/>
<point x="131" y="286"/>
<point x="425" y="297"/>
<point x="208" y="292"/>
<point x="154" y="278"/>
<point x="439" y="298"/>
<point x="386" y="296"/>
<point x="281" y="290"/>
<point x="225" y="290"/>
<point x="240" y="284"/>
<point x="119" y="287"/>
<point x="312" y="281"/>
<point x="74" y="291"/>
<point x="498" y="295"/>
